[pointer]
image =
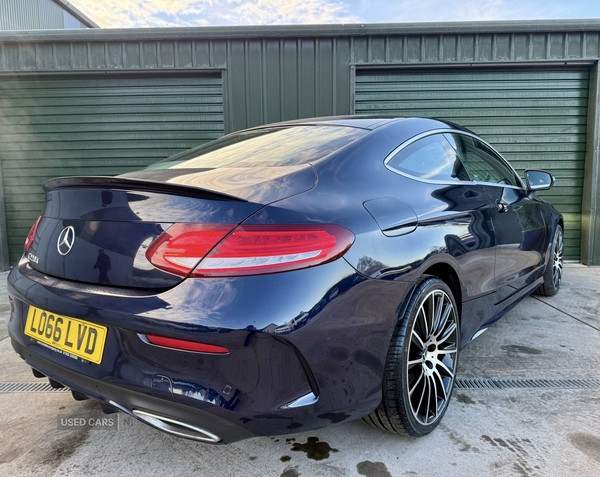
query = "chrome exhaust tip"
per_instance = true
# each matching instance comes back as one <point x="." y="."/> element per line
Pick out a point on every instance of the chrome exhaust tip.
<point x="176" y="428"/>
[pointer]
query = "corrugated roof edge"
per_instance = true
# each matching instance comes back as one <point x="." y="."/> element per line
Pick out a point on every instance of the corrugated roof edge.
<point x="77" y="13"/>
<point x="297" y="31"/>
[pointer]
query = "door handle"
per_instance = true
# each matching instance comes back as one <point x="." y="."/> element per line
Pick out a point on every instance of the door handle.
<point x="502" y="206"/>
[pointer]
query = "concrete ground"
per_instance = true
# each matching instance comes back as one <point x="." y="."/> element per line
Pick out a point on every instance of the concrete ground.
<point x="546" y="432"/>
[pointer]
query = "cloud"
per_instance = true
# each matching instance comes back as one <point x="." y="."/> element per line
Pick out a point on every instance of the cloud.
<point x="463" y="10"/>
<point x="164" y="13"/>
<point x="264" y="12"/>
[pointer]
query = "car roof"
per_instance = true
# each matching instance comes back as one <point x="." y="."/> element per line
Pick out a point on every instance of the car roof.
<point x="369" y="122"/>
<point x="363" y="121"/>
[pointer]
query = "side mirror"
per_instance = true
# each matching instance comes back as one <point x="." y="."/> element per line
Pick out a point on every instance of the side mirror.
<point x="538" y="180"/>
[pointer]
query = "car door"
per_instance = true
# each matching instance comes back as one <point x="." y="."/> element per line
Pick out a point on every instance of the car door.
<point x="517" y="220"/>
<point x="454" y="218"/>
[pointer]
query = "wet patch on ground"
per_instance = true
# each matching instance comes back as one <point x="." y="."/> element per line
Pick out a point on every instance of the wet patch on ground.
<point x="290" y="472"/>
<point x="521" y="349"/>
<point x="587" y="443"/>
<point x="461" y="442"/>
<point x="372" y="469"/>
<point x="314" y="449"/>
<point x="62" y="449"/>
<point x="460" y="397"/>
<point x="523" y="462"/>
<point x="285" y="458"/>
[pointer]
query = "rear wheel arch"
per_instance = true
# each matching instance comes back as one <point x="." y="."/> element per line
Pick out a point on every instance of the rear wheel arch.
<point x="445" y="272"/>
<point x="448" y="275"/>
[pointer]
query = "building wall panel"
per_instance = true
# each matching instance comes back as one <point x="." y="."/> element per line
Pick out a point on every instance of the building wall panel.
<point x="280" y="73"/>
<point x="95" y="126"/>
<point x="30" y="15"/>
<point x="535" y="117"/>
<point x="446" y="48"/>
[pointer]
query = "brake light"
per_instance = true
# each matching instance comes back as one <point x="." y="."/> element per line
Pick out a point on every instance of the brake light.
<point x="179" y="249"/>
<point x="186" y="345"/>
<point x="257" y="249"/>
<point x="31" y="235"/>
<point x="212" y="251"/>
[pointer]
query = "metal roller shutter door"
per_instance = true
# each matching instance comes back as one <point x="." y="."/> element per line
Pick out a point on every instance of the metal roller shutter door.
<point x="535" y="117"/>
<point x="95" y="126"/>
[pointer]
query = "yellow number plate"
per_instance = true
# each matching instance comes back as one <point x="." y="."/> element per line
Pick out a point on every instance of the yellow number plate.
<point x="70" y="335"/>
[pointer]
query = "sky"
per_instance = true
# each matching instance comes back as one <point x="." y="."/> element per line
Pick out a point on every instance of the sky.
<point x="167" y="13"/>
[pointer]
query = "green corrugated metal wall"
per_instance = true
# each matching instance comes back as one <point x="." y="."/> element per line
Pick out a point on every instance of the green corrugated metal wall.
<point x="95" y="126"/>
<point x="535" y="117"/>
<point x="273" y="73"/>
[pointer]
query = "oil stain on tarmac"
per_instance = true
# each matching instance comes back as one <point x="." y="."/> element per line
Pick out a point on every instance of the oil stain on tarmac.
<point x="314" y="449"/>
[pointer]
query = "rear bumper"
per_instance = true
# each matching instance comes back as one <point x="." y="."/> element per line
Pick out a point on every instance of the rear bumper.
<point x="129" y="401"/>
<point x="320" y="333"/>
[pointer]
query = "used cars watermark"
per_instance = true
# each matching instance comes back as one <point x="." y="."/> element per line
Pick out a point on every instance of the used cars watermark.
<point x="79" y="421"/>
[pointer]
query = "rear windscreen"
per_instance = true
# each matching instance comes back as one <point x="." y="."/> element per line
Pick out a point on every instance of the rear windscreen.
<point x="277" y="146"/>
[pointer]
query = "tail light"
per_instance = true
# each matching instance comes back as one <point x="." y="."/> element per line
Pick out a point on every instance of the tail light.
<point x="31" y="235"/>
<point x="255" y="249"/>
<point x="248" y="250"/>
<point x="182" y="246"/>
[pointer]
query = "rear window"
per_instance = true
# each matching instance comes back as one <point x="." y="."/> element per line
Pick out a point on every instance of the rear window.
<point x="278" y="146"/>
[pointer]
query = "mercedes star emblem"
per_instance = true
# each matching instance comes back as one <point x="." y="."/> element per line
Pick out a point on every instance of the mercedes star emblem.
<point x="66" y="240"/>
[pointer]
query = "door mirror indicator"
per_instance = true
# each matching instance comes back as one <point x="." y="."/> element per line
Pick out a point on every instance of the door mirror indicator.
<point x="538" y="180"/>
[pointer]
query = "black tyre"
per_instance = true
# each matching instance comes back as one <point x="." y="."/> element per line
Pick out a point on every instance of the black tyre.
<point x="421" y="363"/>
<point x="554" y="266"/>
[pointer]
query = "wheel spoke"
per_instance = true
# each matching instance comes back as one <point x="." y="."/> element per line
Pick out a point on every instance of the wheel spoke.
<point x="444" y="320"/>
<point x="416" y="339"/>
<point x="437" y="315"/>
<point x="446" y="369"/>
<point x="443" y="388"/>
<point x="414" y="362"/>
<point x="412" y="390"/>
<point x="417" y="409"/>
<point x="449" y="350"/>
<point x="428" y="381"/>
<point x="435" y="397"/>
<point x="447" y="333"/>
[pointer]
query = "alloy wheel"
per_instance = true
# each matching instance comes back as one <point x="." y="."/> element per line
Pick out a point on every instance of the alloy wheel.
<point x="557" y="265"/>
<point x="432" y="357"/>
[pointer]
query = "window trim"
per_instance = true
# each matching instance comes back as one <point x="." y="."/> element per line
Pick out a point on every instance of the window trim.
<point x="432" y="132"/>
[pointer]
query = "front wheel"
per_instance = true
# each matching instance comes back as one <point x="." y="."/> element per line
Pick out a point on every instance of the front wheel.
<point x="554" y="267"/>
<point x="421" y="363"/>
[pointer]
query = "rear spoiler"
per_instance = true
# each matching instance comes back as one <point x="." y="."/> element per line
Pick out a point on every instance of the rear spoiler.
<point x="136" y="184"/>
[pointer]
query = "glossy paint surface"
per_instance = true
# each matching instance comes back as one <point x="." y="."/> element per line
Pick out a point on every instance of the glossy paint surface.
<point x="323" y="330"/>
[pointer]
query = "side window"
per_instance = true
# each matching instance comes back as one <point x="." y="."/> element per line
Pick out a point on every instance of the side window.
<point x="481" y="162"/>
<point x="430" y="158"/>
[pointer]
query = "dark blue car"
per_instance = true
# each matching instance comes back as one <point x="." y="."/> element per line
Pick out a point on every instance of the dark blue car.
<point x="283" y="278"/>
